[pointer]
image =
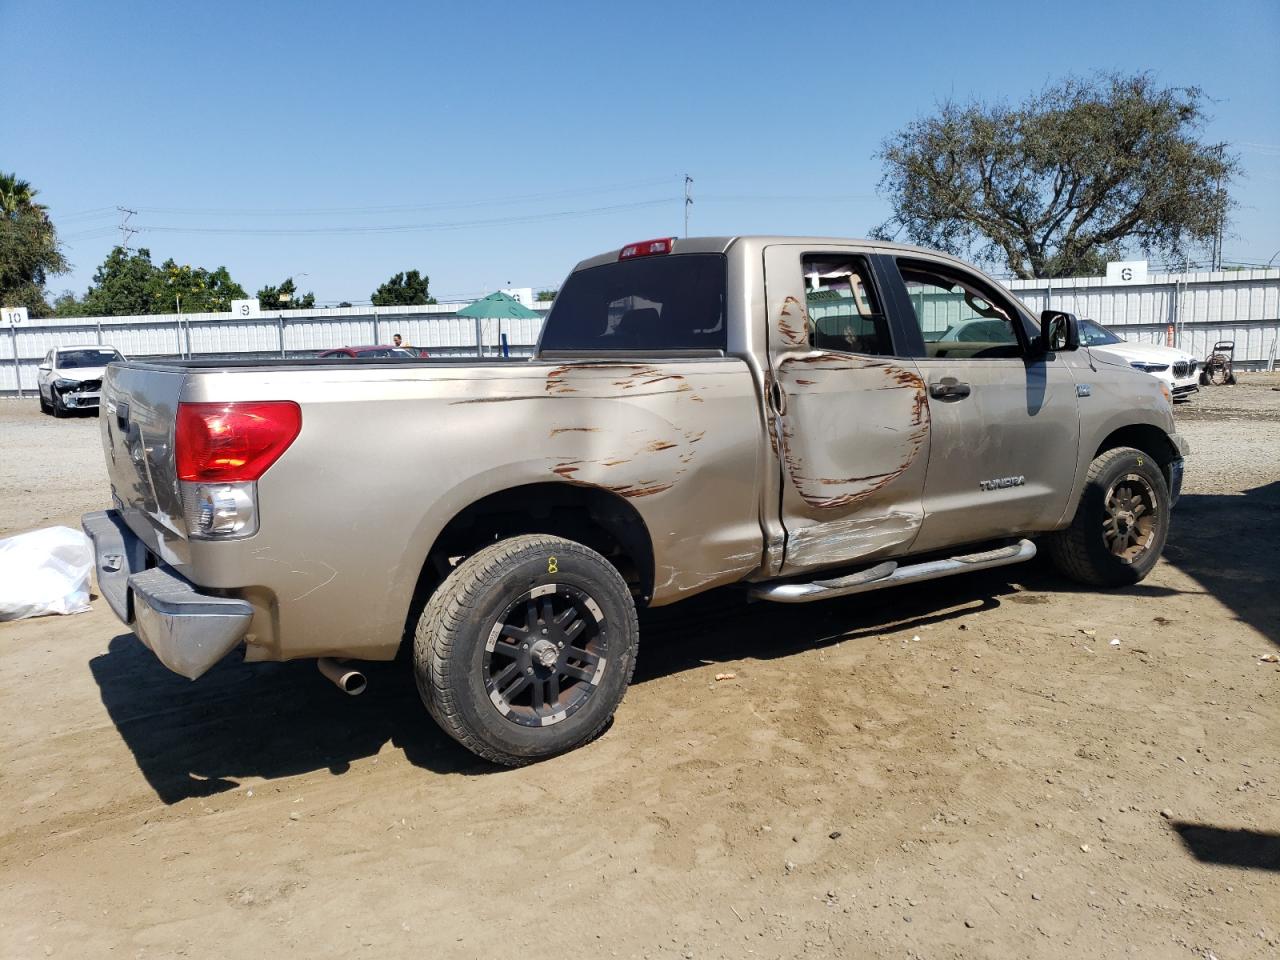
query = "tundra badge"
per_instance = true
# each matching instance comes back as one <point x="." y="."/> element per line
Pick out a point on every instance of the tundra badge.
<point x="1001" y="483"/>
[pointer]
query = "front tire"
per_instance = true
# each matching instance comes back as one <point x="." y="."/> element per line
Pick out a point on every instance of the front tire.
<point x="526" y="649"/>
<point x="1121" y="523"/>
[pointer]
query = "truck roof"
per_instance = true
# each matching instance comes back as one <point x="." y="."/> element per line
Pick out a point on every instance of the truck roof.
<point x="722" y="244"/>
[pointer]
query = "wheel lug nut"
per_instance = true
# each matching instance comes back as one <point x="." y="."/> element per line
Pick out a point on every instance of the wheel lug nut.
<point x="544" y="631"/>
<point x="524" y="646"/>
<point x="528" y="669"/>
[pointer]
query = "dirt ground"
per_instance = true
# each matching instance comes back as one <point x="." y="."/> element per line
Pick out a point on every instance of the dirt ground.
<point x="971" y="768"/>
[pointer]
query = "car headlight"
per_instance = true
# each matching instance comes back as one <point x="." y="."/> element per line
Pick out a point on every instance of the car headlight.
<point x="63" y="384"/>
<point x="1149" y="367"/>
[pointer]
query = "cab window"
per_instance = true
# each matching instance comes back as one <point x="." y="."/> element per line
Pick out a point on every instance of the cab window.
<point x="959" y="318"/>
<point x="844" y="311"/>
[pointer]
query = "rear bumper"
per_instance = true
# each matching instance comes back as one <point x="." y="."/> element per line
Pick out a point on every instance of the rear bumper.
<point x="187" y="630"/>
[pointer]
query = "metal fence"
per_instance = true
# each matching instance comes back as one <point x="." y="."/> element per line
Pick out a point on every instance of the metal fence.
<point x="286" y="333"/>
<point x="1189" y="310"/>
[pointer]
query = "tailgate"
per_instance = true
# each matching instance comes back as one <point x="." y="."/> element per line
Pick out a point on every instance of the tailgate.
<point x="139" y="408"/>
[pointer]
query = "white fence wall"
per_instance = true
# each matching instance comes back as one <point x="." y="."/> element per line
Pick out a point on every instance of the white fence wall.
<point x="287" y="333"/>
<point x="1191" y="310"/>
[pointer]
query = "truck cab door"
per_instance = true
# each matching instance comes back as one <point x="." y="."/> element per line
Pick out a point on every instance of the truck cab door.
<point x="847" y="412"/>
<point x="1004" y="419"/>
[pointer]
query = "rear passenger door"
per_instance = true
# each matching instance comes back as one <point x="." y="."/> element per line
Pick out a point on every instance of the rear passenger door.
<point x="847" y="411"/>
<point x="1003" y="418"/>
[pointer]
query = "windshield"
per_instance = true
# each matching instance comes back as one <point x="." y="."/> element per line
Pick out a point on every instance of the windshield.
<point x="1093" y="335"/>
<point x="649" y="303"/>
<point x="71" y="359"/>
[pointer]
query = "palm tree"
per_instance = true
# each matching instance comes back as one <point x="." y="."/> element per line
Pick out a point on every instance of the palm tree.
<point x="17" y="195"/>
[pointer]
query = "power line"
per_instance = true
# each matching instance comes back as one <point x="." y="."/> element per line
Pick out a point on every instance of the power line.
<point x="409" y="227"/>
<point x="405" y="208"/>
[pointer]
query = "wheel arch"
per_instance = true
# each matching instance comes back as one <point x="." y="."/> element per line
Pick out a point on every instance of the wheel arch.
<point x="1148" y="438"/>
<point x="592" y="516"/>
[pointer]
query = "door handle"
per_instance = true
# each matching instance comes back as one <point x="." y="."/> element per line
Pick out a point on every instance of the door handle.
<point x="949" y="388"/>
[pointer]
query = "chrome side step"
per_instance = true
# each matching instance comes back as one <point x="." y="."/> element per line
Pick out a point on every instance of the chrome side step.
<point x="890" y="574"/>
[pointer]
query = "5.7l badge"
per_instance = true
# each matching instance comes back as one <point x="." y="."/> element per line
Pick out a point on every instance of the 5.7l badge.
<point x="1002" y="482"/>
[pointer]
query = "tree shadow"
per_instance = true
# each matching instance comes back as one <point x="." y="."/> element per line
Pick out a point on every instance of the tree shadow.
<point x="1231" y="847"/>
<point x="264" y="720"/>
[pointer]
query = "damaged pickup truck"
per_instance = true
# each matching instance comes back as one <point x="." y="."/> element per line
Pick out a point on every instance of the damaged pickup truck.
<point x="781" y="414"/>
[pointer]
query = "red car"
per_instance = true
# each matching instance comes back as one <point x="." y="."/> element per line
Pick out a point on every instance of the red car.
<point x="375" y="351"/>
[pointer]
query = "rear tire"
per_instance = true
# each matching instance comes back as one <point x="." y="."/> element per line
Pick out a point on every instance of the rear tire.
<point x="526" y="649"/>
<point x="1121" y="522"/>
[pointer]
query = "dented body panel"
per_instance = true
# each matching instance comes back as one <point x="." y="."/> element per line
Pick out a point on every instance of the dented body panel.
<point x="769" y="458"/>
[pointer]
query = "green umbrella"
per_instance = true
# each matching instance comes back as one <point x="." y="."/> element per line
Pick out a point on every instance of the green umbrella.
<point x="496" y="306"/>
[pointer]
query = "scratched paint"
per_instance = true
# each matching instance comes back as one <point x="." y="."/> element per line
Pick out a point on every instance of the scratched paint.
<point x="837" y="541"/>
<point x="885" y="420"/>
<point x="631" y="461"/>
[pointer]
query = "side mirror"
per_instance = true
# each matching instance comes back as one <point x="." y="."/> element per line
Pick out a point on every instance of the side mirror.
<point x="1059" y="331"/>
<point x="44" y="368"/>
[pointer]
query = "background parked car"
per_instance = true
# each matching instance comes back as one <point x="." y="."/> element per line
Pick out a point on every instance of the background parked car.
<point x="1177" y="368"/>
<point x="372" y="351"/>
<point x="70" y="378"/>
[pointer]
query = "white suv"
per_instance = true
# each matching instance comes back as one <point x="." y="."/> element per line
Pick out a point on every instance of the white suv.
<point x="1177" y="368"/>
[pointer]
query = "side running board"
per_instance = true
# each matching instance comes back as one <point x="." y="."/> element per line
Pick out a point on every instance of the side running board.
<point x="890" y="574"/>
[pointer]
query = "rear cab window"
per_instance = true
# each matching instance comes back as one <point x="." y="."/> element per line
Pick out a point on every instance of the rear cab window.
<point x="844" y="309"/>
<point x="647" y="304"/>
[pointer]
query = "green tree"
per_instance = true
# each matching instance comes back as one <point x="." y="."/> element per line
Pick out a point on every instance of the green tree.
<point x="403" y="290"/>
<point x="546" y="296"/>
<point x="194" y="289"/>
<point x="29" y="249"/>
<point x="285" y="297"/>
<point x="1062" y="182"/>
<point x="125" y="284"/>
<point x="68" y="305"/>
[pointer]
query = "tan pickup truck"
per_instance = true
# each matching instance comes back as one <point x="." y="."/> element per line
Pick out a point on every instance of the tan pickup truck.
<point x="788" y="415"/>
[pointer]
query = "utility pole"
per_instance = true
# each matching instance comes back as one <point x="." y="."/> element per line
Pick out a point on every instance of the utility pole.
<point x="126" y="231"/>
<point x="688" y="202"/>
<point x="1222" y="215"/>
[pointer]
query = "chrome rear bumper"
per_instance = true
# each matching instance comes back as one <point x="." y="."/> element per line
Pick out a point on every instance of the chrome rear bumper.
<point x="187" y="630"/>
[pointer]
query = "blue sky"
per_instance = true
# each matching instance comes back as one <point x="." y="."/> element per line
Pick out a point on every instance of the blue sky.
<point x="260" y="116"/>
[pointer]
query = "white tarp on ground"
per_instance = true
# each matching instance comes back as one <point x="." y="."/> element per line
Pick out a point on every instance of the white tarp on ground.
<point x="43" y="572"/>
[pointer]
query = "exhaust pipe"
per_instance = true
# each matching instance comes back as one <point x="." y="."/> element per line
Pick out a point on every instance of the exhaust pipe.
<point x="347" y="679"/>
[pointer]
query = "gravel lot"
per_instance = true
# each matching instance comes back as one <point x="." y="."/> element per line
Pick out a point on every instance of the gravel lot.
<point x="972" y="768"/>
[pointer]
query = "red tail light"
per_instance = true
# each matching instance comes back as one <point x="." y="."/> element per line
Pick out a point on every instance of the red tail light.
<point x="647" y="248"/>
<point x="229" y="442"/>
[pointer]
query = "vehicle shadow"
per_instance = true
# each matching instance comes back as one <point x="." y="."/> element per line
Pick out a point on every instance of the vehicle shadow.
<point x="264" y="720"/>
<point x="1230" y="544"/>
<point x="274" y="720"/>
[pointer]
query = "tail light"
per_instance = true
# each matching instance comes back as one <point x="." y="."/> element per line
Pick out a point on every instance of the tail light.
<point x="221" y="450"/>
<point x="227" y="442"/>
<point x="647" y="248"/>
